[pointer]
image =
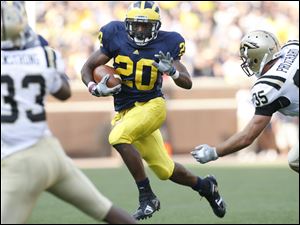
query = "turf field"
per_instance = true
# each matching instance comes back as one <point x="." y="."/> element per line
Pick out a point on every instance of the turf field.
<point x="254" y="195"/>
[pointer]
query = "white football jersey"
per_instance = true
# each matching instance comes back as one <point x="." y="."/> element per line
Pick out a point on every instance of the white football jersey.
<point x="27" y="76"/>
<point x="278" y="88"/>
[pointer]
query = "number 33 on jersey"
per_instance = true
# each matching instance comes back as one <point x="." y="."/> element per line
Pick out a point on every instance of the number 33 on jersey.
<point x="27" y="76"/>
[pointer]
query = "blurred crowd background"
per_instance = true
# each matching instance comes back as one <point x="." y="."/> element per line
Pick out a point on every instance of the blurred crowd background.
<point x="212" y="31"/>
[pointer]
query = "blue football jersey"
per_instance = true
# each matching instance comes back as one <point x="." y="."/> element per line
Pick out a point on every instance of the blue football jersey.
<point x="141" y="81"/>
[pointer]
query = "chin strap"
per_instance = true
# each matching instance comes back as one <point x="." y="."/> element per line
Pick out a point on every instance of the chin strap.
<point x="262" y="64"/>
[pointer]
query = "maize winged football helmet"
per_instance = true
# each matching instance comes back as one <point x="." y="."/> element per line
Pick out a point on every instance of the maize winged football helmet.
<point x="146" y="13"/>
<point x="257" y="48"/>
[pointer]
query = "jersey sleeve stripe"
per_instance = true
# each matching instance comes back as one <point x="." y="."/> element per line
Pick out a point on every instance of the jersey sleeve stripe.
<point x="273" y="77"/>
<point x="291" y="43"/>
<point x="46" y="56"/>
<point x="50" y="57"/>
<point x="54" y="58"/>
<point x="274" y="85"/>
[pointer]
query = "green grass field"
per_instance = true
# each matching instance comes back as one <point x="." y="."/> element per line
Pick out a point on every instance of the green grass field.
<point x="254" y="195"/>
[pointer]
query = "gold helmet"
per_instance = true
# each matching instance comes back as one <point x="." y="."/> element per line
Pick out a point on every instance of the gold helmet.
<point x="146" y="13"/>
<point x="13" y="22"/>
<point x="257" y="48"/>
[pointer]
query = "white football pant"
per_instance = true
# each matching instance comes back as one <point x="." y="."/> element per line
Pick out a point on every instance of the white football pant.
<point x="45" y="166"/>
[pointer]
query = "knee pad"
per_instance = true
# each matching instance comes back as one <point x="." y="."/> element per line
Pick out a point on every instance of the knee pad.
<point x="163" y="173"/>
<point x="117" y="136"/>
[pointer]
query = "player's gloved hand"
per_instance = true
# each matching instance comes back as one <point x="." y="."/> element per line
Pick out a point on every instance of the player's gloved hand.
<point x="205" y="153"/>
<point x="101" y="89"/>
<point x="165" y="64"/>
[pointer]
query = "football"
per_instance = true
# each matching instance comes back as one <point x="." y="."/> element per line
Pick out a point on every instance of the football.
<point x="100" y="71"/>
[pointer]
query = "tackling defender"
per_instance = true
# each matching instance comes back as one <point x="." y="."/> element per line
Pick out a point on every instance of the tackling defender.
<point x="276" y="89"/>
<point x="141" y="55"/>
<point x="32" y="159"/>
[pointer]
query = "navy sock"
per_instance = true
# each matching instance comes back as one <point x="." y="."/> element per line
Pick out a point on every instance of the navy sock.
<point x="144" y="186"/>
<point x="201" y="186"/>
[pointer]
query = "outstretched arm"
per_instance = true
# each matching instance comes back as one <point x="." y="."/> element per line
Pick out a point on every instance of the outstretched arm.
<point x="244" y="138"/>
<point x="205" y="153"/>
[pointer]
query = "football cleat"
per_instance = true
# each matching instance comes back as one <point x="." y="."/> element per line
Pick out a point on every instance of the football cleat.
<point x="213" y="197"/>
<point x="148" y="205"/>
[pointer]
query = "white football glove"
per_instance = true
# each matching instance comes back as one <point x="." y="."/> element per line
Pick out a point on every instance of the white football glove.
<point x="165" y="64"/>
<point x="101" y="89"/>
<point x="205" y="153"/>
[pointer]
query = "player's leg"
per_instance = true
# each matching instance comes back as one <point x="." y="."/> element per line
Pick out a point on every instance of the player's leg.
<point x="293" y="158"/>
<point x="23" y="178"/>
<point x="134" y="124"/>
<point x="118" y="216"/>
<point x="16" y="202"/>
<point x="132" y="160"/>
<point x="153" y="151"/>
<point x="75" y="188"/>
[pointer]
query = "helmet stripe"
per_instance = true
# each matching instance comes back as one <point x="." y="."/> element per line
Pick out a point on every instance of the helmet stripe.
<point x="137" y="4"/>
<point x="143" y="4"/>
<point x="154" y="7"/>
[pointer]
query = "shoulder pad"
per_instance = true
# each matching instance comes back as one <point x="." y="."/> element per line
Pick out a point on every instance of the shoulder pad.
<point x="291" y="42"/>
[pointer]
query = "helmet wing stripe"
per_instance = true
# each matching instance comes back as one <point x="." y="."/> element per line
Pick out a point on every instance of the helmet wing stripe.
<point x="137" y="4"/>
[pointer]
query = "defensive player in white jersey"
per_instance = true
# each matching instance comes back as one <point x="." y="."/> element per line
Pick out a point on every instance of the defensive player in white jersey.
<point x="32" y="159"/>
<point x="276" y="89"/>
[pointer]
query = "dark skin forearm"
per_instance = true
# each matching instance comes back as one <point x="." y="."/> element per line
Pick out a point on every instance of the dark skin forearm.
<point x="96" y="59"/>
<point x="245" y="137"/>
<point x="184" y="79"/>
<point x="64" y="92"/>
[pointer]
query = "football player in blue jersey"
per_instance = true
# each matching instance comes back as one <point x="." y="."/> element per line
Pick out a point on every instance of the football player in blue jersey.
<point x="142" y="54"/>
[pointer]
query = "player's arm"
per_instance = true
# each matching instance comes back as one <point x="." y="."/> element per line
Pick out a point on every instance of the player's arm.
<point x="263" y="114"/>
<point x="174" y="69"/>
<point x="65" y="91"/>
<point x="205" y="153"/>
<point x="184" y="78"/>
<point x="97" y="58"/>
<point x="100" y="89"/>
<point x="58" y="81"/>
<point x="244" y="138"/>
